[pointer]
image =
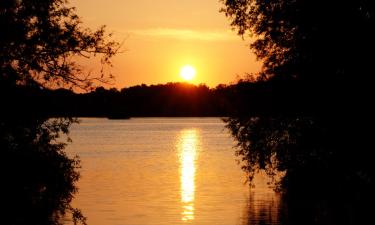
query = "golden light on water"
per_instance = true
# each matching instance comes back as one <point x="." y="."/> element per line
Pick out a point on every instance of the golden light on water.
<point x="188" y="143"/>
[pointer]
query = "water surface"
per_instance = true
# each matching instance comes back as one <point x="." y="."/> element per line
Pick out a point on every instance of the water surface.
<point x="164" y="171"/>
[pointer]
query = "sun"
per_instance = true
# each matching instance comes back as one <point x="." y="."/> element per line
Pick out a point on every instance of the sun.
<point x="187" y="72"/>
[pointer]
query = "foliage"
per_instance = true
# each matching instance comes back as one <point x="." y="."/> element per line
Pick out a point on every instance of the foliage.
<point x="39" y="177"/>
<point x="308" y="40"/>
<point x="171" y="99"/>
<point x="317" y="57"/>
<point x="278" y="144"/>
<point x="40" y="42"/>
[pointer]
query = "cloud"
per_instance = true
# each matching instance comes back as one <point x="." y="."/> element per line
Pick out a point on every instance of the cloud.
<point x="184" y="34"/>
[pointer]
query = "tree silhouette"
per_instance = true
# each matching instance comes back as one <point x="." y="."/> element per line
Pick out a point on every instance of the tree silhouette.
<point x="310" y="40"/>
<point x="40" y="42"/>
<point x="317" y="66"/>
<point x="38" y="178"/>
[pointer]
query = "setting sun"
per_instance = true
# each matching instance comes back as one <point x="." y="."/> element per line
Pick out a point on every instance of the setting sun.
<point x="187" y="72"/>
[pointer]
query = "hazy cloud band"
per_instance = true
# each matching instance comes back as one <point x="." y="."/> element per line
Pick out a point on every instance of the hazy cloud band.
<point x="184" y="34"/>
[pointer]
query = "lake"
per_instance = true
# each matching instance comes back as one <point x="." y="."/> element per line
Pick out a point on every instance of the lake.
<point x="154" y="171"/>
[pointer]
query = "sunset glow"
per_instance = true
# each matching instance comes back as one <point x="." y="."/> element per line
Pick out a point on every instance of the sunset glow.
<point x="172" y="112"/>
<point x="155" y="47"/>
<point x="187" y="73"/>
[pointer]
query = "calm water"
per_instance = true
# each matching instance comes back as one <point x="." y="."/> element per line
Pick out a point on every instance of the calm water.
<point x="165" y="171"/>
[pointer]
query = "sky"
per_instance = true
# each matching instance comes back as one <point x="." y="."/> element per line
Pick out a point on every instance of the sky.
<point x="161" y="36"/>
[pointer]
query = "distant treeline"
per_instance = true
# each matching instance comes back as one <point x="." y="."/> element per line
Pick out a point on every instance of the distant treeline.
<point x="172" y="99"/>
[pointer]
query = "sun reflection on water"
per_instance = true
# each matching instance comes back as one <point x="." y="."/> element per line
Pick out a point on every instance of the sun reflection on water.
<point x="188" y="143"/>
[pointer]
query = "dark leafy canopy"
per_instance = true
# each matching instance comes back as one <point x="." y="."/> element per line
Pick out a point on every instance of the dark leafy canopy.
<point x="308" y="40"/>
<point x="40" y="41"/>
<point x="293" y="145"/>
<point x="317" y="67"/>
<point x="324" y="47"/>
<point x="38" y="178"/>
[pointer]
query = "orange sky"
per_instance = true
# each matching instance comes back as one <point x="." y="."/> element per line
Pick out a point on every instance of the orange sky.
<point x="161" y="36"/>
